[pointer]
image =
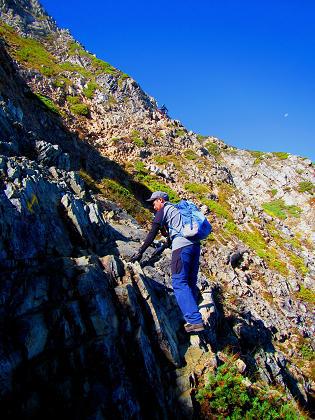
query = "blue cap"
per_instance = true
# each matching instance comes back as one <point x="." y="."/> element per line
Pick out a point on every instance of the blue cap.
<point x="158" y="194"/>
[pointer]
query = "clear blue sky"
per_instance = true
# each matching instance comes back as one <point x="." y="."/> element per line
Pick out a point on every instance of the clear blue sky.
<point x="243" y="71"/>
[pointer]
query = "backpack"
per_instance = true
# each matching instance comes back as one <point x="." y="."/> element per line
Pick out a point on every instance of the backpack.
<point x="195" y="224"/>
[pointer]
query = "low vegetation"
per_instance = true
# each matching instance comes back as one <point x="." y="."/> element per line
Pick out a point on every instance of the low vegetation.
<point x="278" y="208"/>
<point x="180" y="132"/>
<point x="152" y="182"/>
<point x="254" y="239"/>
<point x="281" y="155"/>
<point x="217" y="208"/>
<point x="80" y="109"/>
<point x="307" y="295"/>
<point x="306" y="186"/>
<point x="259" y="156"/>
<point x="213" y="148"/>
<point x="190" y="154"/>
<point x="136" y="138"/>
<point x="229" y="395"/>
<point x="195" y="188"/>
<point x="307" y="352"/>
<point x="90" y="89"/>
<point x="48" y="103"/>
<point x="114" y="191"/>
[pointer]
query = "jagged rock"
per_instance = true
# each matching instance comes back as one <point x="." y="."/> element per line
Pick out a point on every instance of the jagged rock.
<point x="241" y="366"/>
<point x="103" y="337"/>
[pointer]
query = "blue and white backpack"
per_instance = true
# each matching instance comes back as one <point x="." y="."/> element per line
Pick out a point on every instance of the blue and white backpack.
<point x="195" y="225"/>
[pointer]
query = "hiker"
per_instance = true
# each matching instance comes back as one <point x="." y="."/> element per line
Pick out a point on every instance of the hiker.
<point x="185" y="259"/>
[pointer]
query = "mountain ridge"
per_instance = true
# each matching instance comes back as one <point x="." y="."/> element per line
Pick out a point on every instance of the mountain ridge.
<point x="120" y="145"/>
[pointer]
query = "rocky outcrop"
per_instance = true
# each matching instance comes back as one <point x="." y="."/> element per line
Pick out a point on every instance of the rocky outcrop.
<point x="84" y="332"/>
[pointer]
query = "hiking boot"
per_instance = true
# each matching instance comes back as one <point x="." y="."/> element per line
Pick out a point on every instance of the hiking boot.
<point x="191" y="328"/>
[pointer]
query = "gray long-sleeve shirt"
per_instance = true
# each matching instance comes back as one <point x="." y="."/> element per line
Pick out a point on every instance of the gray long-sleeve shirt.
<point x="169" y="217"/>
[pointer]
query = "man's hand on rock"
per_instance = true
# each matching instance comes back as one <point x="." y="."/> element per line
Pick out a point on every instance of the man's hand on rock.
<point x="136" y="257"/>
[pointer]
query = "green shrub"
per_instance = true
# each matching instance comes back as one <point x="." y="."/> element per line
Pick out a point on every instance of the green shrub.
<point x="279" y="209"/>
<point x="273" y="192"/>
<point x="307" y="295"/>
<point x="140" y="167"/>
<point x="259" y="156"/>
<point x="80" y="109"/>
<point x="90" y="89"/>
<point x="306" y="186"/>
<point x="103" y="67"/>
<point x="180" y="132"/>
<point x="122" y="78"/>
<point x="48" y="103"/>
<point x="73" y="100"/>
<point x="29" y="52"/>
<point x="213" y="148"/>
<point x="307" y="352"/>
<point x="225" y="396"/>
<point x="136" y="138"/>
<point x="200" y="137"/>
<point x="190" y="154"/>
<point x="281" y="155"/>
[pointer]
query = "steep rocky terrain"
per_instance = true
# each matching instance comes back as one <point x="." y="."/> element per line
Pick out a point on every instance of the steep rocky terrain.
<point x="84" y="332"/>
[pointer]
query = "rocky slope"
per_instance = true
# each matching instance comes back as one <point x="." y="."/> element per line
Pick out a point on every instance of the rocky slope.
<point x="83" y="331"/>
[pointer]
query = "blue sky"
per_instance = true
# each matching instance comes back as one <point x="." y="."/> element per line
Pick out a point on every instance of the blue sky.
<point x="243" y="71"/>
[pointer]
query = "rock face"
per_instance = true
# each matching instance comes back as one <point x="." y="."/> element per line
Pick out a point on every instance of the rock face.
<point x="84" y="332"/>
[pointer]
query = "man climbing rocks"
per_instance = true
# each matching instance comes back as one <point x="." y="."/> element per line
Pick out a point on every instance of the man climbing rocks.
<point x="185" y="259"/>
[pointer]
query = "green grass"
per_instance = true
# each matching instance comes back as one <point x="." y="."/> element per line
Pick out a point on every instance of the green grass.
<point x="48" y="103"/>
<point x="259" y="156"/>
<point x="307" y="352"/>
<point x="213" y="148"/>
<point x="256" y="241"/>
<point x="114" y="191"/>
<point x="279" y="209"/>
<point x="75" y="68"/>
<point x="225" y="396"/>
<point x="90" y="89"/>
<point x="103" y="67"/>
<point x="190" y="154"/>
<point x="176" y="160"/>
<point x="155" y="185"/>
<point x="29" y="52"/>
<point x="307" y="295"/>
<point x="180" y="132"/>
<point x="273" y="192"/>
<point x="73" y="100"/>
<point x="200" y="137"/>
<point x="196" y="188"/>
<point x="298" y="263"/>
<point x="161" y="160"/>
<point x="136" y="138"/>
<point x="286" y="246"/>
<point x="122" y="78"/>
<point x="80" y="109"/>
<point x="306" y="186"/>
<point x="140" y="167"/>
<point x="281" y="155"/>
<point x="217" y="208"/>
